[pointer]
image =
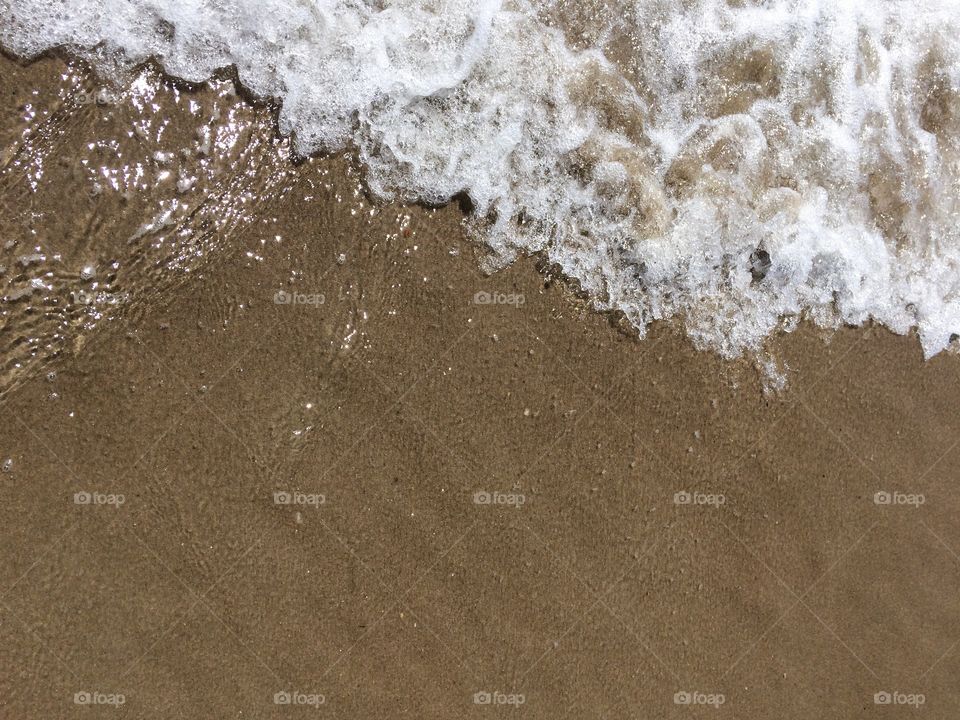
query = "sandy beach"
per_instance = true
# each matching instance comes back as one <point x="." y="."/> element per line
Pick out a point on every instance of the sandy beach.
<point x="295" y="452"/>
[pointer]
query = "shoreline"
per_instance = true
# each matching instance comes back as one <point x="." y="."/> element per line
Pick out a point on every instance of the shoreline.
<point x="619" y="584"/>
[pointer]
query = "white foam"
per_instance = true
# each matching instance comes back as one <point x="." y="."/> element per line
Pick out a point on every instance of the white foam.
<point x="824" y="134"/>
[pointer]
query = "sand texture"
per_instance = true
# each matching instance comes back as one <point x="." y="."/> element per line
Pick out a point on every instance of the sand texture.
<point x="390" y="500"/>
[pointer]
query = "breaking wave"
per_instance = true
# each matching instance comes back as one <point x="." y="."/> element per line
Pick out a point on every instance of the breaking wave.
<point x="736" y="164"/>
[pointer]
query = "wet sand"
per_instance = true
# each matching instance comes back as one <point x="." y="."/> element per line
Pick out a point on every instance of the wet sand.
<point x="515" y="501"/>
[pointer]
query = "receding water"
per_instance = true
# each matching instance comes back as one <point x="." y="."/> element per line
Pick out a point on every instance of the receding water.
<point x="738" y="165"/>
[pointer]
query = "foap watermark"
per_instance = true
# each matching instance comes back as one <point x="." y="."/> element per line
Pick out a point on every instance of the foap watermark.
<point x="86" y="697"/>
<point x="483" y="497"/>
<point x="282" y="297"/>
<point x="296" y="697"/>
<point x="914" y="700"/>
<point x="486" y="697"/>
<point x="283" y="497"/>
<point x="98" y="498"/>
<point x="882" y="497"/>
<point x="100" y="96"/>
<point x="695" y="697"/>
<point x="84" y="297"/>
<point x="684" y="497"/>
<point x="498" y="298"/>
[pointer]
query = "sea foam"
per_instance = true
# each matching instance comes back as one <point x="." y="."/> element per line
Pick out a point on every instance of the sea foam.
<point x="737" y="164"/>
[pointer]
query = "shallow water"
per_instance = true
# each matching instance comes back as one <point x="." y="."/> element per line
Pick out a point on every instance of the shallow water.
<point x="116" y="202"/>
<point x="736" y="165"/>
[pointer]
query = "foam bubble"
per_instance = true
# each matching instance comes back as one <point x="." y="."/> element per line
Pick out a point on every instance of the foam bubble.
<point x="736" y="164"/>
